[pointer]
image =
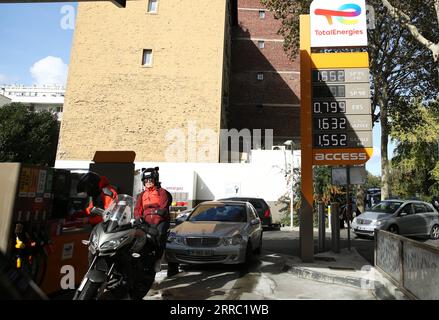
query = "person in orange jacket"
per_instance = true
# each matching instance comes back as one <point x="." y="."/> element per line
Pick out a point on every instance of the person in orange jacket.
<point x="101" y="194"/>
<point x="153" y="206"/>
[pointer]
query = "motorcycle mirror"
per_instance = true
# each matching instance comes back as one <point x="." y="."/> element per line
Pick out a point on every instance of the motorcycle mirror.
<point x="97" y="211"/>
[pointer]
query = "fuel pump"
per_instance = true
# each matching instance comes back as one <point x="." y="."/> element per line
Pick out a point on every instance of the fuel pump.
<point x="19" y="246"/>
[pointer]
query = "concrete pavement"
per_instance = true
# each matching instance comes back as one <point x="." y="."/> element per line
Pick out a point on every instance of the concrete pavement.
<point x="344" y="276"/>
<point x="280" y="274"/>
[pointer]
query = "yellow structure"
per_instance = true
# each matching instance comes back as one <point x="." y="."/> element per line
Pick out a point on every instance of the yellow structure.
<point x="116" y="101"/>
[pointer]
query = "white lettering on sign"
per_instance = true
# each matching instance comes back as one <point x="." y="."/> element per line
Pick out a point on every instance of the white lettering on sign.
<point x="338" y="23"/>
<point x="338" y="156"/>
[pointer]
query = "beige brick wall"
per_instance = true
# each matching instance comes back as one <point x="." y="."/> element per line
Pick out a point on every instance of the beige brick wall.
<point x="113" y="103"/>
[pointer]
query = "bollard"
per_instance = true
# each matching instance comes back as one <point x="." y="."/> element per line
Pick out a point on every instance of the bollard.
<point x="329" y="218"/>
<point x="335" y="227"/>
<point x="322" y="227"/>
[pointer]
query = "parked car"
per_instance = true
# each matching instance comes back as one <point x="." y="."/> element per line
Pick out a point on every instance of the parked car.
<point x="404" y="217"/>
<point x="261" y="207"/>
<point x="228" y="232"/>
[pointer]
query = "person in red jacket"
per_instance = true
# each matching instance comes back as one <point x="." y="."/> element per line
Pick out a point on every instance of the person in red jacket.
<point x="101" y="194"/>
<point x="153" y="205"/>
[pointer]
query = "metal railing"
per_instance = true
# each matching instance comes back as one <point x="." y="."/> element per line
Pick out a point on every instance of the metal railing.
<point x="410" y="265"/>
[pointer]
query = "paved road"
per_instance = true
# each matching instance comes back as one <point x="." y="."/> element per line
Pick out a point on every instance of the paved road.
<point x="287" y="242"/>
<point x="265" y="279"/>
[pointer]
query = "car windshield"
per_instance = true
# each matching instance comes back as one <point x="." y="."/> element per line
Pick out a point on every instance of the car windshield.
<point x="386" y="206"/>
<point x="225" y="213"/>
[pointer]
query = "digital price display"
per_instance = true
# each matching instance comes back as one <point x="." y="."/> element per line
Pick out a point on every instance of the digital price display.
<point x="347" y="139"/>
<point x="345" y="106"/>
<point x="341" y="108"/>
<point x="351" y="90"/>
<point x="342" y="122"/>
<point x="352" y="75"/>
<point x="328" y="76"/>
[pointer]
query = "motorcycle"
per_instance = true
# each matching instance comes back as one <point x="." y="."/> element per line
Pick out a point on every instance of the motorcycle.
<point x="122" y="254"/>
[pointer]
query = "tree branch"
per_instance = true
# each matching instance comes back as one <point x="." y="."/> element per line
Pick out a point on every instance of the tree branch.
<point x="398" y="14"/>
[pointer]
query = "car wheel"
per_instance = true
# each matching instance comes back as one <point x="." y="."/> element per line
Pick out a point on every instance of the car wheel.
<point x="259" y="249"/>
<point x="434" y="233"/>
<point x="248" y="253"/>
<point x="393" y="229"/>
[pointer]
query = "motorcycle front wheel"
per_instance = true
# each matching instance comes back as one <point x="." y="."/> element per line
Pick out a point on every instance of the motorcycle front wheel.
<point x="140" y="288"/>
<point x="89" y="292"/>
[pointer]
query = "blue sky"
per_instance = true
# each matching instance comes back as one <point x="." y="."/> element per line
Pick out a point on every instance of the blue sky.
<point x="28" y="34"/>
<point x="35" y="48"/>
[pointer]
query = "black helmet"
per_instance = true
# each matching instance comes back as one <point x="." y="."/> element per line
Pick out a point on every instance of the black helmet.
<point x="150" y="173"/>
<point x="89" y="183"/>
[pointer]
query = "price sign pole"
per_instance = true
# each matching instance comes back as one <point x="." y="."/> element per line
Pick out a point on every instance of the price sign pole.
<point x="336" y="119"/>
<point x="306" y="210"/>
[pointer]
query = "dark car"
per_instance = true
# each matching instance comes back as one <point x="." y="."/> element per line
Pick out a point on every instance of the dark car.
<point x="261" y="207"/>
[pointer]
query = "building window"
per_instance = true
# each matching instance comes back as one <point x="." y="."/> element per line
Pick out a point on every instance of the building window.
<point x="152" y="6"/>
<point x="260" y="76"/>
<point x="261" y="44"/>
<point x="261" y="14"/>
<point x="147" y="57"/>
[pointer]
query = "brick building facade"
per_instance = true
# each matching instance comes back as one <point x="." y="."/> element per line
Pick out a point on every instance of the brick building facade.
<point x="265" y="83"/>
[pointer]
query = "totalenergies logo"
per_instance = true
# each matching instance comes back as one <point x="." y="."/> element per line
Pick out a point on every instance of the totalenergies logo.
<point x="348" y="10"/>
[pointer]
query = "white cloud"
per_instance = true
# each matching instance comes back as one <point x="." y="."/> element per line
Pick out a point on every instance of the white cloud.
<point x="50" y="70"/>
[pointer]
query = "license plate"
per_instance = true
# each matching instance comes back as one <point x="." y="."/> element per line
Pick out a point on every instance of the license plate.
<point x="202" y="253"/>
<point x="362" y="228"/>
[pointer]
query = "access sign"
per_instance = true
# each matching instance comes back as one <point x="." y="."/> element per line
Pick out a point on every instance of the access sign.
<point x="341" y="109"/>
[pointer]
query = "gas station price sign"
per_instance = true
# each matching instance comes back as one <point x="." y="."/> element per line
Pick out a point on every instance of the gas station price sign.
<point x="341" y="108"/>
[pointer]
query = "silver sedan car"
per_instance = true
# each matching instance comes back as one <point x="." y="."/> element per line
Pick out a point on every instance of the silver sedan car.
<point x="227" y="232"/>
<point x="408" y="218"/>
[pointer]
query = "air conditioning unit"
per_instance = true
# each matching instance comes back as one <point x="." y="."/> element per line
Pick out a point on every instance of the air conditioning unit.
<point x="278" y="148"/>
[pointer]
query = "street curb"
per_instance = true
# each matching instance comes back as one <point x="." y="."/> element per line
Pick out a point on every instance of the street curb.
<point x="383" y="291"/>
<point x="305" y="273"/>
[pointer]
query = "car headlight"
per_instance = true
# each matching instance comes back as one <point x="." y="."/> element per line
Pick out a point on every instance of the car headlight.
<point x="173" y="238"/>
<point x="354" y="221"/>
<point x="232" y="241"/>
<point x="379" y="223"/>
<point x="112" y="244"/>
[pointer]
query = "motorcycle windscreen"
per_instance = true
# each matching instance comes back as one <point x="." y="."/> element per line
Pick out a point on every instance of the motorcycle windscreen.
<point x="121" y="210"/>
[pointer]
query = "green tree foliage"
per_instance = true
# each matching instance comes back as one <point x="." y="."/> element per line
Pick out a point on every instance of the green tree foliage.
<point x="372" y="181"/>
<point x="415" y="167"/>
<point x="27" y="136"/>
